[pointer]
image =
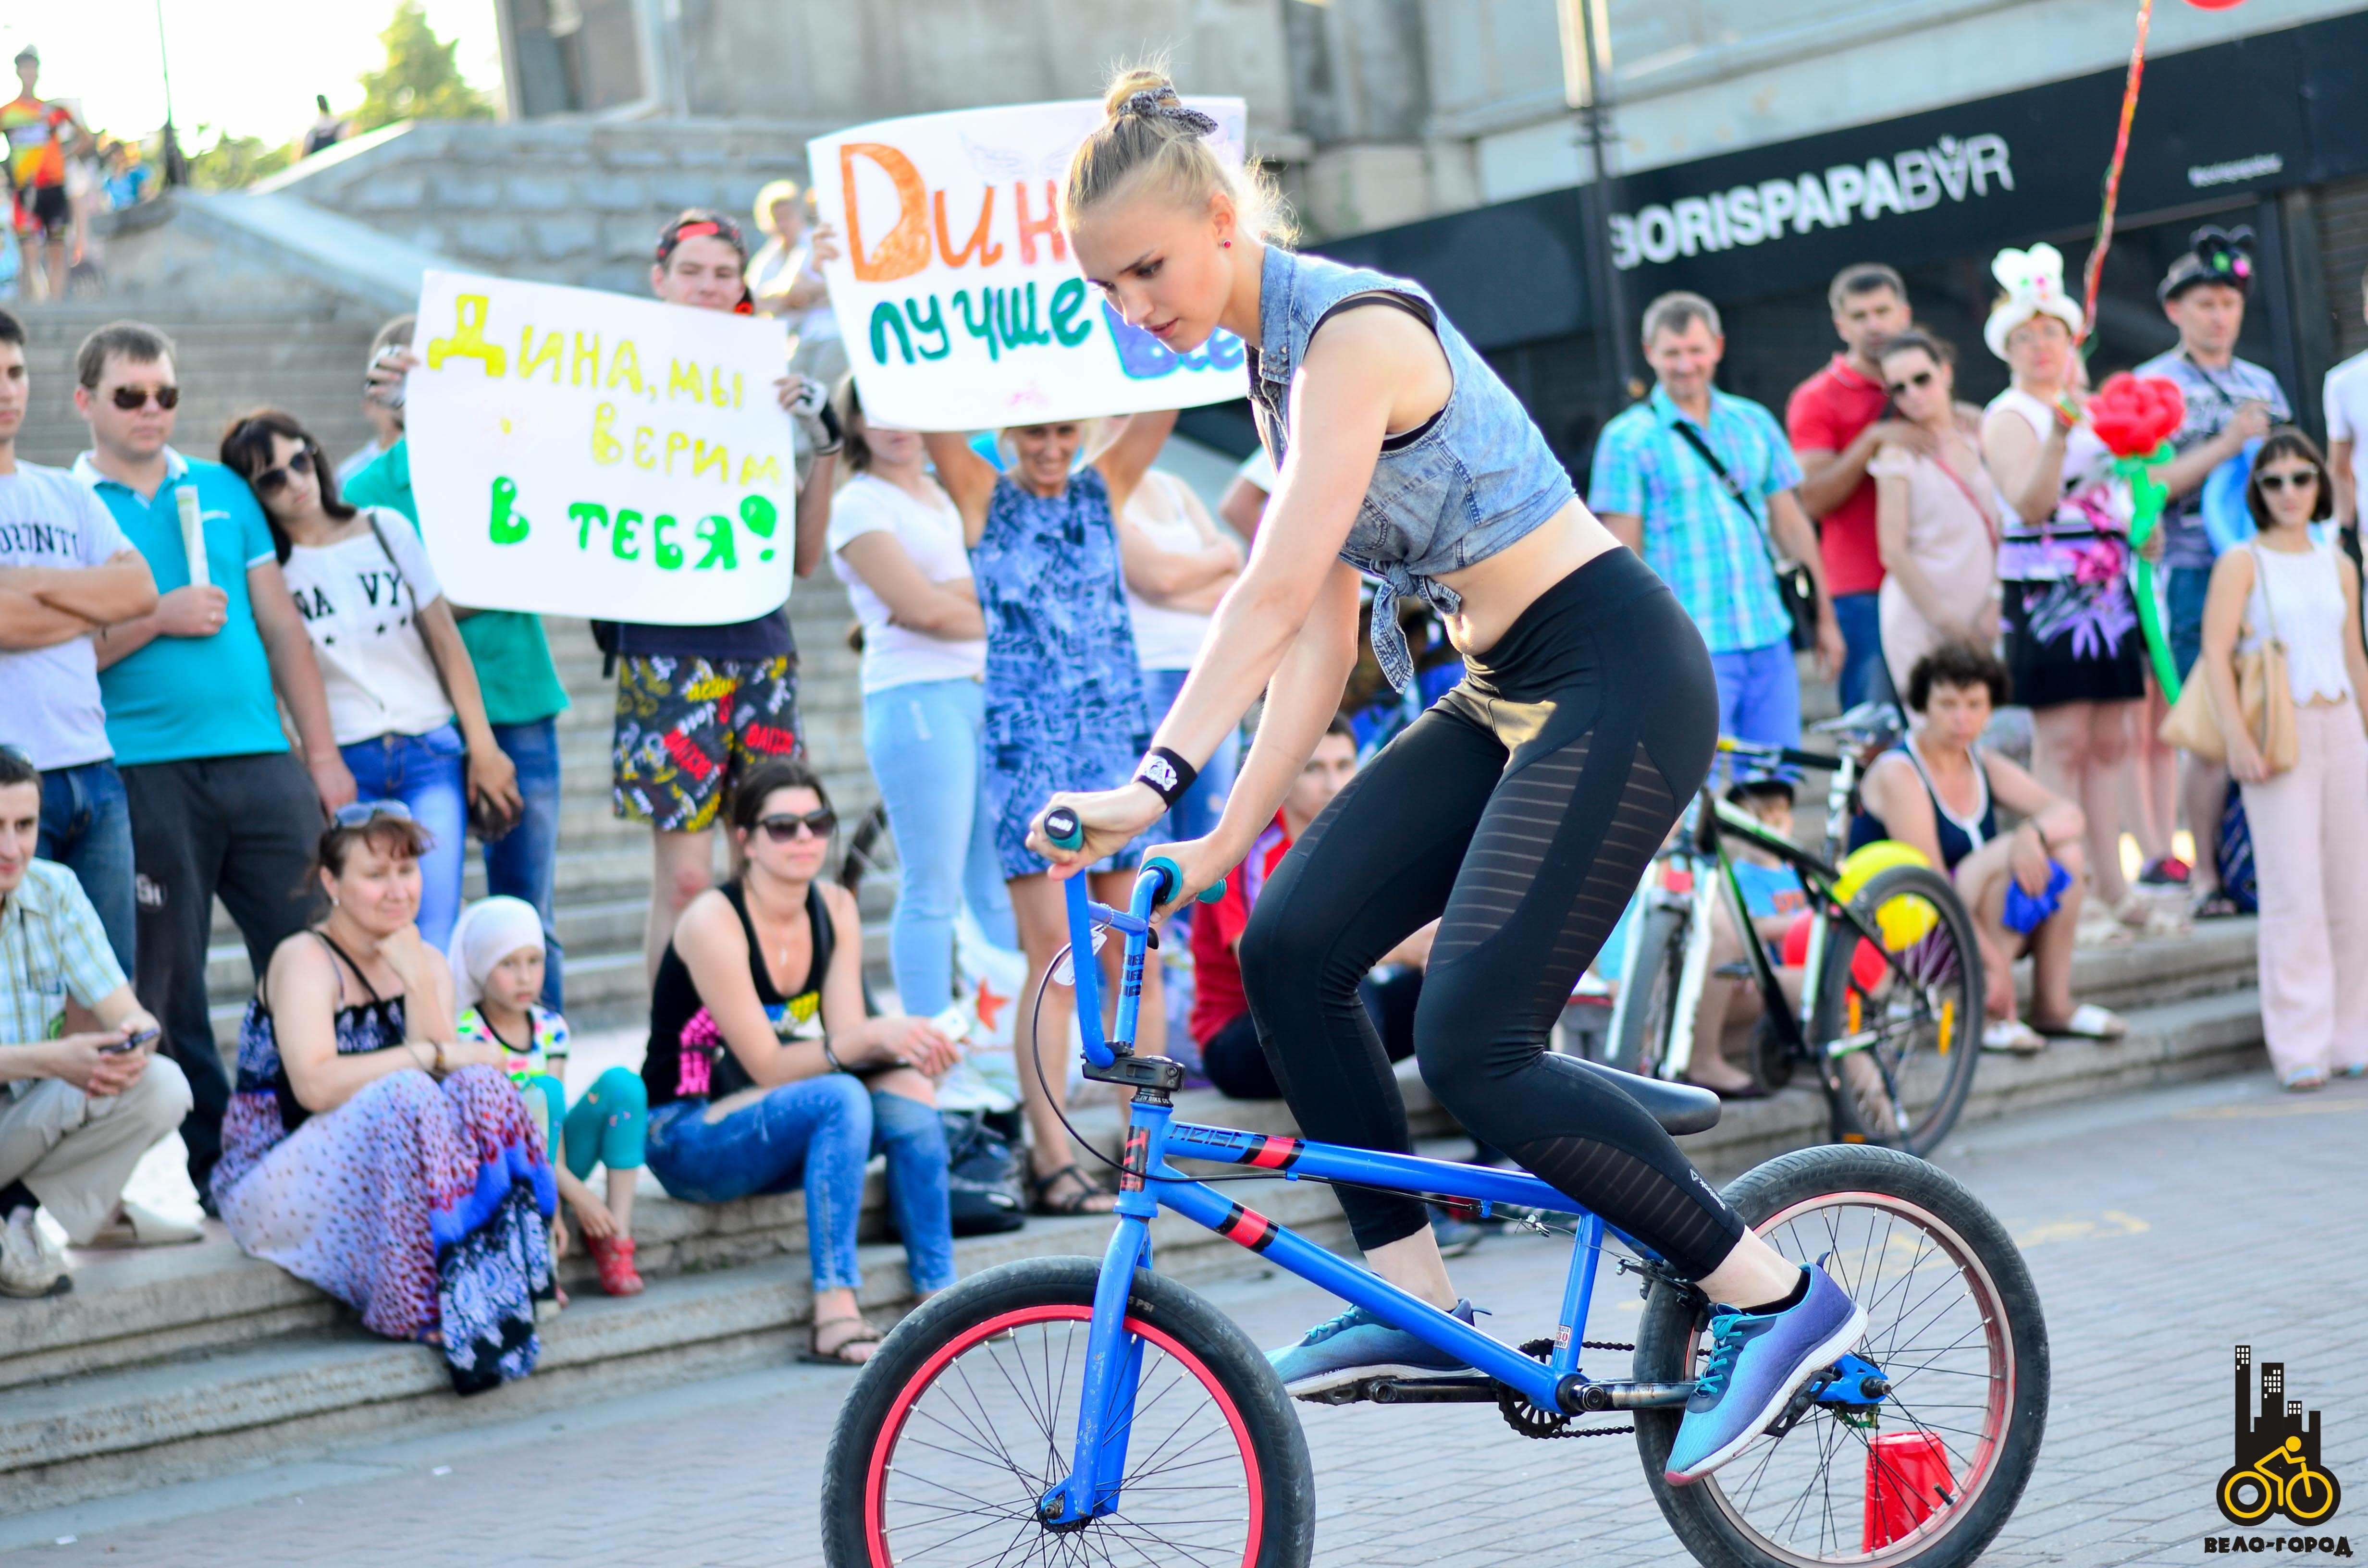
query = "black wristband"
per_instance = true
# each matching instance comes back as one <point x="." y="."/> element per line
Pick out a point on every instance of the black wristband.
<point x="1168" y="774"/>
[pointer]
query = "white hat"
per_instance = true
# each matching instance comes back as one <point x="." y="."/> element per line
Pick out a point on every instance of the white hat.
<point x="487" y="932"/>
<point x="2034" y="281"/>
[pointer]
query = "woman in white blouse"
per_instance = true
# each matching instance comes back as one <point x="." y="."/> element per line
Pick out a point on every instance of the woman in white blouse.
<point x="403" y="699"/>
<point x="1177" y="566"/>
<point x="1935" y="517"/>
<point x="2309" y="822"/>
<point x="896" y="542"/>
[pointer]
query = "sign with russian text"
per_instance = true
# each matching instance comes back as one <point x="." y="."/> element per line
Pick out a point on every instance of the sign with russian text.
<point x="955" y="290"/>
<point x="577" y="452"/>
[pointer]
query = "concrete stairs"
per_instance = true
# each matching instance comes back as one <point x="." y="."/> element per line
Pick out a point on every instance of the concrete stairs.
<point x="170" y="1364"/>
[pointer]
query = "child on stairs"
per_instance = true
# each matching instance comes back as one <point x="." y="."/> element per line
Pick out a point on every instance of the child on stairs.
<point x="497" y="959"/>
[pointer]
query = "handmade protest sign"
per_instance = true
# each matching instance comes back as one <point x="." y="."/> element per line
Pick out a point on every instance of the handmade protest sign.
<point x="584" y="453"/>
<point x="955" y="290"/>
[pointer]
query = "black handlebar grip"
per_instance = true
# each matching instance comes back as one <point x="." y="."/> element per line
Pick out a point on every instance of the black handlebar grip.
<point x="1063" y="829"/>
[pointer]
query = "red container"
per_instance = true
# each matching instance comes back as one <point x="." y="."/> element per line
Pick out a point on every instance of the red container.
<point x="1906" y="1479"/>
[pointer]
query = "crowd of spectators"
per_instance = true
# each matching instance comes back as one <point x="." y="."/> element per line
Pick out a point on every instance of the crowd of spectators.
<point x="399" y="1129"/>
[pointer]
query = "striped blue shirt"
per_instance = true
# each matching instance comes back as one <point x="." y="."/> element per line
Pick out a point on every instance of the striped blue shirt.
<point x="1712" y="556"/>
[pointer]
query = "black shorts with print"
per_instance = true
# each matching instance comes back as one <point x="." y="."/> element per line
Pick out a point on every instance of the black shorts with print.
<point x="687" y="728"/>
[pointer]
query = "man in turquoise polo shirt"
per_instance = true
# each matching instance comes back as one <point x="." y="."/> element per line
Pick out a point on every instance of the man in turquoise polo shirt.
<point x="218" y="804"/>
<point x="523" y="701"/>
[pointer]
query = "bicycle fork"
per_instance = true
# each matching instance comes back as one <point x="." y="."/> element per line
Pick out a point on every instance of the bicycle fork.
<point x="1692" y="974"/>
<point x="1113" y="1356"/>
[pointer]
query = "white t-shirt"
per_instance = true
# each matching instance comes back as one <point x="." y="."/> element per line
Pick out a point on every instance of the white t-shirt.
<point x="1259" y="468"/>
<point x="2347" y="414"/>
<point x="932" y="536"/>
<point x="1165" y="639"/>
<point x="52" y="711"/>
<point x="361" y="609"/>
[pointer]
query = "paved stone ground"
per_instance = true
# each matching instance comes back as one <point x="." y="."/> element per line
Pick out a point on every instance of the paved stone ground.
<point x="2161" y="1229"/>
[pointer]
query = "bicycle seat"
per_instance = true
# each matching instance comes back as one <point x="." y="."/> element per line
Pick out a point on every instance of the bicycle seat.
<point x="1678" y="1108"/>
<point x="1867" y="723"/>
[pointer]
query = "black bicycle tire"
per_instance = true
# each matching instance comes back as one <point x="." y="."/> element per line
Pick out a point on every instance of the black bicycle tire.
<point x="1671" y="1319"/>
<point x="867" y="832"/>
<point x="1288" y="1534"/>
<point x="1848" y="1127"/>
<point x="1660" y="944"/>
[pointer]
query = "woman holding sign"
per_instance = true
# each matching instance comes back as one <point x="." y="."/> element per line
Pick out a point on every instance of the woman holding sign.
<point x="1064" y="706"/>
<point x="1519" y="812"/>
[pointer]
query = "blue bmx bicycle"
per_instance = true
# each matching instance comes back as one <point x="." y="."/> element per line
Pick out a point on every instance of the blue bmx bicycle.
<point x="1065" y="1410"/>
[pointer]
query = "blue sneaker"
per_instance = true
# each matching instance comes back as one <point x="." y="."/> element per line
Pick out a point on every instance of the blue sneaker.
<point x="1356" y="1346"/>
<point x="1756" y="1363"/>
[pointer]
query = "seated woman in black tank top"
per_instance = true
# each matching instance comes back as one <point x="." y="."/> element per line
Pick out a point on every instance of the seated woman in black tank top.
<point x="764" y="1072"/>
<point x="1940" y="792"/>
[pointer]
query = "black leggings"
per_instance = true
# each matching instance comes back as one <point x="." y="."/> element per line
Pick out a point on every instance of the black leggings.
<point x="1520" y="811"/>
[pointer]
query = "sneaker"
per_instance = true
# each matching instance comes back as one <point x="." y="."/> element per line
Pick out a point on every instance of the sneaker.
<point x="1757" y="1361"/>
<point x="1455" y="1237"/>
<point x="30" y="1264"/>
<point x="1356" y="1346"/>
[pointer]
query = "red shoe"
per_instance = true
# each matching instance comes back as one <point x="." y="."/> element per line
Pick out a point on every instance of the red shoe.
<point x="615" y="1257"/>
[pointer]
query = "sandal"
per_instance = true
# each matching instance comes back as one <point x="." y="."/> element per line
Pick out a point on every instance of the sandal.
<point x="2013" y="1037"/>
<point x="614" y="1256"/>
<point x="2302" y="1080"/>
<point x="1076" y="1203"/>
<point x="861" y="1333"/>
<point x="2090" y="1022"/>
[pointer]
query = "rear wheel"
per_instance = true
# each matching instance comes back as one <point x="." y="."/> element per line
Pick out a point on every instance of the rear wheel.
<point x="1914" y="1027"/>
<point x="1931" y="1474"/>
<point x="1640" y="1040"/>
<point x="968" y="1416"/>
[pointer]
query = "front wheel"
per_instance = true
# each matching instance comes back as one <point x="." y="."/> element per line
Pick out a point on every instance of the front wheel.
<point x="1910" y="1024"/>
<point x="1640" y="1042"/>
<point x="2311" y="1495"/>
<point x="968" y="1416"/>
<point x="1927" y="1476"/>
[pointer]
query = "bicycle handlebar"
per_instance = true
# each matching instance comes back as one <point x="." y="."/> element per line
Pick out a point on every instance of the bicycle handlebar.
<point x="1787" y="756"/>
<point x="1065" y="832"/>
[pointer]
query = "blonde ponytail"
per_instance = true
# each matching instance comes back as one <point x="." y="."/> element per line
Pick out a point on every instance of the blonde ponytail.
<point x="1148" y="136"/>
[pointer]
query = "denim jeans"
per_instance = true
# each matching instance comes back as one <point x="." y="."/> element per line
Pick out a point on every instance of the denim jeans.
<point x="520" y="863"/>
<point x="817" y="1132"/>
<point x="1759" y="695"/>
<point x="1864" y="675"/>
<point x="1195" y="814"/>
<point x="2188" y="588"/>
<point x="923" y="741"/>
<point x="425" y="773"/>
<point x="86" y="828"/>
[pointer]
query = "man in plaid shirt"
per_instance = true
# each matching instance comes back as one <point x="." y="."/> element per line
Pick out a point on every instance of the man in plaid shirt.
<point x="1708" y="535"/>
<point x="76" y="1111"/>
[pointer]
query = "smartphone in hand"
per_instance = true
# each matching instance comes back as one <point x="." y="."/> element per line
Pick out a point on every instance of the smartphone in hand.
<point x="140" y="1041"/>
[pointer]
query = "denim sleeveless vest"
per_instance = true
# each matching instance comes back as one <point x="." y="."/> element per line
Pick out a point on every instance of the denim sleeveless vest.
<point x="1478" y="477"/>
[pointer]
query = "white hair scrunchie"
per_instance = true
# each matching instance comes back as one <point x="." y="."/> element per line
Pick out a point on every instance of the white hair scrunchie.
<point x="487" y="932"/>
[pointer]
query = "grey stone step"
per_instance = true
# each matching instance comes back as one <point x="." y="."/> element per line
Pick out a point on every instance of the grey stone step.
<point x="134" y="1427"/>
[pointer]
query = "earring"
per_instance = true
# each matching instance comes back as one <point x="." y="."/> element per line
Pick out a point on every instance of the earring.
<point x="1224" y="244"/>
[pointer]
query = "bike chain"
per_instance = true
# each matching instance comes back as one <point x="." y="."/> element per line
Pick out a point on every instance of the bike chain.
<point x="1530" y="1421"/>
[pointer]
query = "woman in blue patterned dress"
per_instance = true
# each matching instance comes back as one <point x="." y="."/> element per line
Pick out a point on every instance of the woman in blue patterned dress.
<point x="369" y="1149"/>
<point x="1064" y="706"/>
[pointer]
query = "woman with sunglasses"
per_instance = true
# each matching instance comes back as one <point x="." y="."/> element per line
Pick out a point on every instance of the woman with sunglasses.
<point x="1936" y="515"/>
<point x="404" y="699"/>
<point x="765" y="1073"/>
<point x="371" y="1150"/>
<point x="2309" y="822"/>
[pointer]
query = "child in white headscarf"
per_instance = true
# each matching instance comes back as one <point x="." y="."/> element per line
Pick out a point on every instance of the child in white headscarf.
<point x="497" y="959"/>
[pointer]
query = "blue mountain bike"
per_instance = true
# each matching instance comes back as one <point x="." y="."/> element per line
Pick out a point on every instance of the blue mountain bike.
<point x="1065" y="1410"/>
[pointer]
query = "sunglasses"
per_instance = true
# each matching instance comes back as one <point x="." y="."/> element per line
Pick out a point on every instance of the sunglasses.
<point x="1920" y="379"/>
<point x="130" y="398"/>
<point x="786" y="827"/>
<point x="361" y="814"/>
<point x="2301" y="479"/>
<point x="272" y="480"/>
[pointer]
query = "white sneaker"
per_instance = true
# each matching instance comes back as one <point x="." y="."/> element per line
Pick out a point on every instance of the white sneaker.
<point x="30" y="1264"/>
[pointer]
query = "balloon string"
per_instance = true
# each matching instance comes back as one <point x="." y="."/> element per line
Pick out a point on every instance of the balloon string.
<point x="2094" y="271"/>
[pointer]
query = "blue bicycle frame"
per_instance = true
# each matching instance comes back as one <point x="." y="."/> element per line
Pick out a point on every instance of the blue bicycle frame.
<point x="1106" y="1406"/>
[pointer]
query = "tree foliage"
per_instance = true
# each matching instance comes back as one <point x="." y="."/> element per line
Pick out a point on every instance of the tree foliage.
<point x="419" y="80"/>
<point x="235" y="162"/>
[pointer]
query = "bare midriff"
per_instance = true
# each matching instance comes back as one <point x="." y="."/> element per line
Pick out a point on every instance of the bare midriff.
<point x="1496" y="591"/>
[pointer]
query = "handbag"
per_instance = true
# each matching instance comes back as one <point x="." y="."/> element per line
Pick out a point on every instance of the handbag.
<point x="2264" y="701"/>
<point x="1794" y="587"/>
